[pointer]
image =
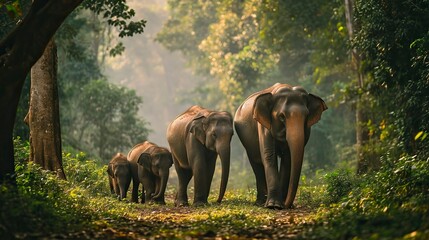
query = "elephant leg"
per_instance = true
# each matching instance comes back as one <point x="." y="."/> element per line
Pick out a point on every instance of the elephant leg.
<point x="142" y="196"/>
<point x="285" y="170"/>
<point x="112" y="188"/>
<point x="261" y="184"/>
<point x="157" y="185"/>
<point x="203" y="175"/>
<point x="211" y="165"/>
<point x="116" y="187"/>
<point x="135" y="192"/>
<point x="184" y="175"/>
<point x="149" y="188"/>
<point x="273" y="186"/>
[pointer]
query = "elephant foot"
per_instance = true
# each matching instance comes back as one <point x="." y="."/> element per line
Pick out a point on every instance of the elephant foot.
<point x="292" y="206"/>
<point x="273" y="204"/>
<point x="160" y="202"/>
<point x="181" y="203"/>
<point x="199" y="204"/>
<point x="260" y="202"/>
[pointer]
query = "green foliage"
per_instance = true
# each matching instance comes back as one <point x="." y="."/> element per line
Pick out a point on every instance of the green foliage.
<point x="393" y="41"/>
<point x="339" y="184"/>
<point x="312" y="191"/>
<point x="108" y="121"/>
<point x="391" y="203"/>
<point x="43" y="205"/>
<point x="82" y="43"/>
<point x="240" y="47"/>
<point x="86" y="173"/>
<point x="96" y="117"/>
<point x="39" y="205"/>
<point x="117" y="14"/>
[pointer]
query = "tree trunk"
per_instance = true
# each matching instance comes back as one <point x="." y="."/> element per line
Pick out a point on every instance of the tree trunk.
<point x="18" y="52"/>
<point x="361" y="118"/>
<point x="43" y="115"/>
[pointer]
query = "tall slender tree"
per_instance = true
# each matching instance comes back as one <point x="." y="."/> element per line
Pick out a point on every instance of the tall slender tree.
<point x="43" y="116"/>
<point x="18" y="53"/>
<point x="361" y="119"/>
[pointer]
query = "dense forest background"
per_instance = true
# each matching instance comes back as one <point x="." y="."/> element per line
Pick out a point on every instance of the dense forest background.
<point x="367" y="160"/>
<point x="217" y="53"/>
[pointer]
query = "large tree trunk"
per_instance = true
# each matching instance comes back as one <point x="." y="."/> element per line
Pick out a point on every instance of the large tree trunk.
<point x="18" y="52"/>
<point x="361" y="118"/>
<point x="44" y="115"/>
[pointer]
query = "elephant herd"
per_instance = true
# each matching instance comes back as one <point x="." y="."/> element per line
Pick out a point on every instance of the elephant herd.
<point x="272" y="124"/>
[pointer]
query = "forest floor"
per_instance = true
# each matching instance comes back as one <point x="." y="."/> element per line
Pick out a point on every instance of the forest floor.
<point x="195" y="223"/>
<point x="232" y="219"/>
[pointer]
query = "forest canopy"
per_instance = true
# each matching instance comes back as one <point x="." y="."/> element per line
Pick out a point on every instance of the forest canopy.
<point x="242" y="46"/>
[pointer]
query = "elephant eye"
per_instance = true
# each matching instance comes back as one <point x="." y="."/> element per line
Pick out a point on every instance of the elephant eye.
<point x="282" y="117"/>
<point x="214" y="135"/>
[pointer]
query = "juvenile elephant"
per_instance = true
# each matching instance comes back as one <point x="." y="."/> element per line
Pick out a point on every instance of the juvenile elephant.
<point x="272" y="123"/>
<point x="196" y="138"/>
<point x="119" y="172"/>
<point x="150" y="165"/>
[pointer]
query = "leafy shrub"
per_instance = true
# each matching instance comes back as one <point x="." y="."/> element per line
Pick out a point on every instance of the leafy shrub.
<point x="22" y="150"/>
<point x="38" y="204"/>
<point x="391" y="203"/>
<point x="339" y="184"/>
<point x="311" y="191"/>
<point x="42" y="203"/>
<point x="87" y="174"/>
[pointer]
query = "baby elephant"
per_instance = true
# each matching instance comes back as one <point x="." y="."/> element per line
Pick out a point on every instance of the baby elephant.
<point x="150" y="165"/>
<point x="119" y="172"/>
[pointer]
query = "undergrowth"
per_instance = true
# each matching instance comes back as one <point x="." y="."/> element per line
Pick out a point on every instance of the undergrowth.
<point x="391" y="203"/>
<point x="43" y="206"/>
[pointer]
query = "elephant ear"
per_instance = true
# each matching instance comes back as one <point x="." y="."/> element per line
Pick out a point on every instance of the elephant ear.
<point x="316" y="106"/>
<point x="198" y="129"/>
<point x="262" y="109"/>
<point x="110" y="170"/>
<point x="145" y="160"/>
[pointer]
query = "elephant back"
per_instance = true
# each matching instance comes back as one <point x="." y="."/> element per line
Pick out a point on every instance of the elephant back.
<point x="138" y="149"/>
<point x="118" y="158"/>
<point x="273" y="89"/>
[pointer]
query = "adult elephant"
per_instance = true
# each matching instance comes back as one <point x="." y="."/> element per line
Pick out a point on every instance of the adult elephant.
<point x="150" y="165"/>
<point x="119" y="173"/>
<point x="196" y="138"/>
<point x="272" y="123"/>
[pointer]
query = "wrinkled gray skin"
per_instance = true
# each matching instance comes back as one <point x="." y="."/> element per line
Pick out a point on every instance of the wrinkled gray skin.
<point x="196" y="138"/>
<point x="119" y="172"/>
<point x="150" y="165"/>
<point x="275" y="123"/>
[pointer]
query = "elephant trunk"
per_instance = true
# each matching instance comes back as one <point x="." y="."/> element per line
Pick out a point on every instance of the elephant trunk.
<point x="123" y="193"/>
<point x="295" y="139"/>
<point x="123" y="183"/>
<point x="224" y="154"/>
<point x="164" y="179"/>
